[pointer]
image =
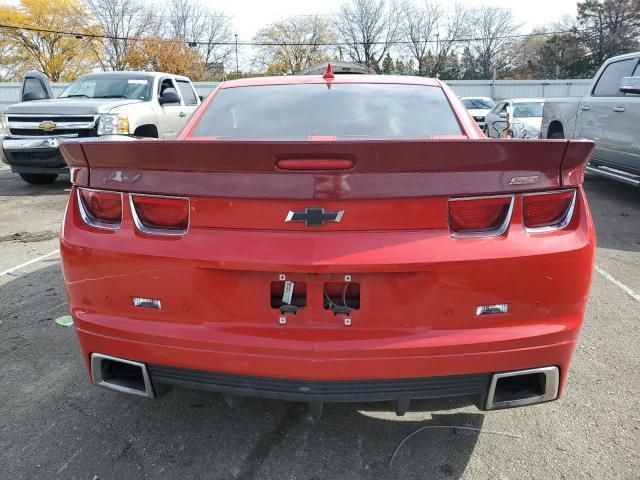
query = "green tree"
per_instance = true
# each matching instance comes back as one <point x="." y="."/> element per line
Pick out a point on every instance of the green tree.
<point x="450" y="67"/>
<point x="387" y="65"/>
<point x="608" y="28"/>
<point x="469" y="66"/>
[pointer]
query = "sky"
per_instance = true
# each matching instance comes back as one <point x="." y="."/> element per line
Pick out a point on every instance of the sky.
<point x="251" y="15"/>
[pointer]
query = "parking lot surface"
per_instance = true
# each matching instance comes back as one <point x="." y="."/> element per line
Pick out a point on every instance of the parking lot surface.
<point x="53" y="424"/>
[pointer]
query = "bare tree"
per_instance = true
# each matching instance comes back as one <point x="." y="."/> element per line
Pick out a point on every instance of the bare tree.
<point x="205" y="30"/>
<point x="492" y="45"/>
<point x="293" y="44"/>
<point x="419" y="29"/>
<point x="12" y="64"/>
<point x="123" y="22"/>
<point x="368" y="28"/>
<point x="456" y="25"/>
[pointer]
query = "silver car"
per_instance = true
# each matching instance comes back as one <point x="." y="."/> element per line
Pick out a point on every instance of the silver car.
<point x="515" y="118"/>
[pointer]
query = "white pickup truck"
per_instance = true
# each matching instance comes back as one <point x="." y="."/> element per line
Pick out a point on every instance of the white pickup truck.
<point x="125" y="104"/>
<point x="609" y="114"/>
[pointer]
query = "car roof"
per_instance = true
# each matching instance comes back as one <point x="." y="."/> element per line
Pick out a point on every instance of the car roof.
<point x="342" y="78"/>
<point x="476" y="98"/>
<point x="128" y="73"/>
<point x="523" y="100"/>
<point x="623" y="57"/>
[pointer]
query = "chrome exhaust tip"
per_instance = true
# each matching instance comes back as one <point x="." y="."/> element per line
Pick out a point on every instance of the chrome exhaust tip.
<point x="125" y="376"/>
<point x="523" y="387"/>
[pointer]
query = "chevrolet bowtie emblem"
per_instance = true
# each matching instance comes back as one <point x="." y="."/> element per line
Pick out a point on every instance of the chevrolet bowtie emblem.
<point x="313" y="216"/>
<point x="47" y="126"/>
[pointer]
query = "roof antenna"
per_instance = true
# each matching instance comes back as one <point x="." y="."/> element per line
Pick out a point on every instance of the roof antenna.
<point x="328" y="74"/>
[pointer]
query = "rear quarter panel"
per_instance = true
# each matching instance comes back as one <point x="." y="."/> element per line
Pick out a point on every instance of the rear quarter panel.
<point x="562" y="110"/>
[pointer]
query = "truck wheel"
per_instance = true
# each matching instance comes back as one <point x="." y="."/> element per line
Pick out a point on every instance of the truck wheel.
<point x="557" y="136"/>
<point x="39" y="178"/>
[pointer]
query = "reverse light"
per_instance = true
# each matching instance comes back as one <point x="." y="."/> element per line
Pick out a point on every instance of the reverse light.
<point x="100" y="208"/>
<point x="547" y="211"/>
<point x="113" y="124"/>
<point x="160" y="215"/>
<point x="480" y="216"/>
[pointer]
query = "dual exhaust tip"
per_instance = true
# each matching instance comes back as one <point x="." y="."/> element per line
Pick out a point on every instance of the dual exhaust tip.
<point x="124" y="376"/>
<point x="523" y="387"/>
<point x="508" y="389"/>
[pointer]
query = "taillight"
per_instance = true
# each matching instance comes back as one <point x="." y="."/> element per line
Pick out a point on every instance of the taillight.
<point x="99" y="208"/>
<point x="160" y="215"/>
<point x="547" y="211"/>
<point x="479" y="217"/>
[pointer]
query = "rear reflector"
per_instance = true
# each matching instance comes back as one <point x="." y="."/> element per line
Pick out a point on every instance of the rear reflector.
<point x="160" y="215"/>
<point x="99" y="208"/>
<point x="482" y="216"/>
<point x="548" y="211"/>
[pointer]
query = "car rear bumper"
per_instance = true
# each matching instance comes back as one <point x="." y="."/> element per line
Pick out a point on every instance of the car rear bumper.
<point x="357" y="376"/>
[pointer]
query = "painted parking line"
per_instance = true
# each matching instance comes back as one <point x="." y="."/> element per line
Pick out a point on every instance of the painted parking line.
<point x="42" y="257"/>
<point x="618" y="284"/>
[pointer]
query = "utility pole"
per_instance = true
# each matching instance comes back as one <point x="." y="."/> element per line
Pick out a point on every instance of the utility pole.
<point x="237" y="71"/>
<point x="437" y="59"/>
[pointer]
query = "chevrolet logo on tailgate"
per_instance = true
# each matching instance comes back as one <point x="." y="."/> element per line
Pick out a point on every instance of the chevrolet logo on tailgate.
<point x="314" y="216"/>
<point x="47" y="126"/>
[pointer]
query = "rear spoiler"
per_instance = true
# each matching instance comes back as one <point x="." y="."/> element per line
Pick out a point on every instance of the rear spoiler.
<point x="356" y="169"/>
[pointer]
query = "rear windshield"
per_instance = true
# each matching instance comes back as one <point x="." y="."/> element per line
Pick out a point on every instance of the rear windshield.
<point x="478" y="103"/>
<point x="526" y="110"/>
<point x="343" y="111"/>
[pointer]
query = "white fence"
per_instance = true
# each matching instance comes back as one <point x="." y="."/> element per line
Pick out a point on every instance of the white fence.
<point x="10" y="92"/>
<point x="499" y="89"/>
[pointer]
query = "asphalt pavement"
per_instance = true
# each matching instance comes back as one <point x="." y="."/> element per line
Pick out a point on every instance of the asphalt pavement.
<point x="53" y="424"/>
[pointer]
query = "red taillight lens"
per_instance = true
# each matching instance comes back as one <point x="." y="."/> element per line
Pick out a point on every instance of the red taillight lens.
<point x="163" y="214"/>
<point x="546" y="210"/>
<point x="101" y="209"/>
<point x="481" y="215"/>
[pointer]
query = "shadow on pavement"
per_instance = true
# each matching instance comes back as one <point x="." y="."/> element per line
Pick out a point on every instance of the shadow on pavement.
<point x="11" y="185"/>
<point x="55" y="425"/>
<point x="615" y="208"/>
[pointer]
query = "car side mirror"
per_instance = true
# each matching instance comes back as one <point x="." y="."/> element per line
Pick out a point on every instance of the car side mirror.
<point x="630" y="85"/>
<point x="169" y="97"/>
<point x="29" y="96"/>
<point x="502" y="114"/>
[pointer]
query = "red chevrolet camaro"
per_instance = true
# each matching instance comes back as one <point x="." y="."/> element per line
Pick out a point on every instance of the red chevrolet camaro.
<point x="330" y="239"/>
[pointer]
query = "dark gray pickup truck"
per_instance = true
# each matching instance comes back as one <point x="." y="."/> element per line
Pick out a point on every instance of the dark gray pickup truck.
<point x="609" y="114"/>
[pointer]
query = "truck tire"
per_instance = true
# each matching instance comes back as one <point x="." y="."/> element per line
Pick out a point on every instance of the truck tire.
<point x="39" y="178"/>
<point x="557" y="136"/>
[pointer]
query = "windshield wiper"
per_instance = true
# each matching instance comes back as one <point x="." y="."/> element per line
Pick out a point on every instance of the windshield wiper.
<point x="113" y="96"/>
<point x="76" y="95"/>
